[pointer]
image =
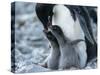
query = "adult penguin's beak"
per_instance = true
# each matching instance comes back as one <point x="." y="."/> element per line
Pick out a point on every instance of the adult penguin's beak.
<point x="49" y="21"/>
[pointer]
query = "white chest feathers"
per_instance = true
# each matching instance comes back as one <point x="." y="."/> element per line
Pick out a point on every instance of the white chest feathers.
<point x="62" y="17"/>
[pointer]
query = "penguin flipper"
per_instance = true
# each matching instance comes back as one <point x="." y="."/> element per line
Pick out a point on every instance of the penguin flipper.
<point x="85" y="29"/>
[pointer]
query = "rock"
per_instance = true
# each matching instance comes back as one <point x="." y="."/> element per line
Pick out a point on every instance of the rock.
<point x="32" y="68"/>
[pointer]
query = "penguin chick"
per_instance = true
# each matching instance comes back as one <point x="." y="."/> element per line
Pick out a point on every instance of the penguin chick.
<point x="53" y="58"/>
<point x="69" y="58"/>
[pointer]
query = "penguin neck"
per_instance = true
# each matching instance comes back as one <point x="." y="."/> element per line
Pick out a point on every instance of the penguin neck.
<point x="54" y="45"/>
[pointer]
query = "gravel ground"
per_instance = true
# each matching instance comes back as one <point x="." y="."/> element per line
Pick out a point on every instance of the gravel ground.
<point x="31" y="45"/>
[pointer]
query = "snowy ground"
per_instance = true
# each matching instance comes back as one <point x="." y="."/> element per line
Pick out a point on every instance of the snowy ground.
<point x="31" y="45"/>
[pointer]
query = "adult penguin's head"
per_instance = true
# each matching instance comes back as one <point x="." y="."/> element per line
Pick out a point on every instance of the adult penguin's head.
<point x="44" y="13"/>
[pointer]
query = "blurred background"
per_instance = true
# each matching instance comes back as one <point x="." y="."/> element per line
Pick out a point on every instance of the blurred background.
<point x="31" y="45"/>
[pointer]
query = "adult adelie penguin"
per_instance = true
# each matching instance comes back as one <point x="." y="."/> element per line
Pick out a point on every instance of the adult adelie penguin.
<point x="44" y="11"/>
